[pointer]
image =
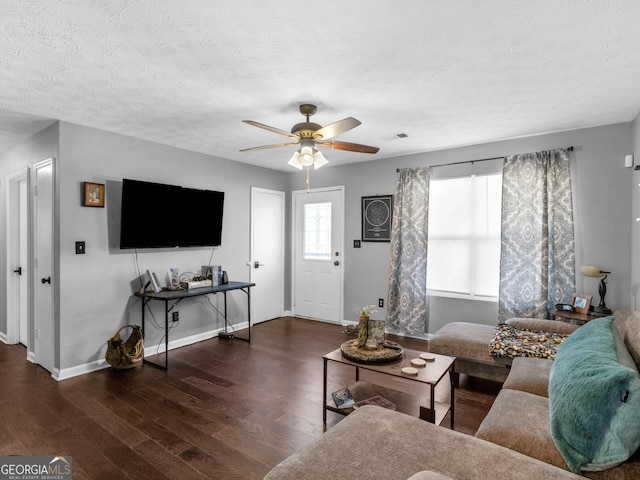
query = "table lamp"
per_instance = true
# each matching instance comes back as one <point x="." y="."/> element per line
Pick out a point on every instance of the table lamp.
<point x="591" y="271"/>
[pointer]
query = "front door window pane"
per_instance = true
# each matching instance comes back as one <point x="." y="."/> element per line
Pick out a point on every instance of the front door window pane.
<point x="317" y="231"/>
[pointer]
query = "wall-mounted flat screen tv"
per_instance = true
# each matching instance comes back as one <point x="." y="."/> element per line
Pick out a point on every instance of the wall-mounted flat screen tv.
<point x="156" y="215"/>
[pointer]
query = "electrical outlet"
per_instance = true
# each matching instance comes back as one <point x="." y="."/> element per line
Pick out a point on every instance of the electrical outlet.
<point x="176" y="316"/>
<point x="381" y="302"/>
<point x="356" y="244"/>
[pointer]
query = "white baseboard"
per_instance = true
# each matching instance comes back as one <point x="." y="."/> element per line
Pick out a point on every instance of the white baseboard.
<point x="4" y="338"/>
<point x="149" y="350"/>
<point x="78" y="370"/>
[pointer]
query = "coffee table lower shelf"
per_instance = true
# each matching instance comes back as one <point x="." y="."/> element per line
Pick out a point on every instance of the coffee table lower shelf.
<point x="405" y="402"/>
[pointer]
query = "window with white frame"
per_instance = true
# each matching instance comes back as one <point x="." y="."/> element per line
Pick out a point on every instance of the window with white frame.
<point x="464" y="236"/>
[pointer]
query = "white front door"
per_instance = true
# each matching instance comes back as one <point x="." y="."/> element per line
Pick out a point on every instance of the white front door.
<point x="317" y="253"/>
<point x="43" y="278"/>
<point x="267" y="254"/>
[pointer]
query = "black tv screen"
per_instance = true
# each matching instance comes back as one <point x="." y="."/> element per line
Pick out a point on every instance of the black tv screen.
<point x="156" y="215"/>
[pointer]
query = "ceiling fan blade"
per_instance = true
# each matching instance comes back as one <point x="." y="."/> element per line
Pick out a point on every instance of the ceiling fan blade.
<point x="351" y="147"/>
<point x="271" y="129"/>
<point x="270" y="146"/>
<point x="336" y="128"/>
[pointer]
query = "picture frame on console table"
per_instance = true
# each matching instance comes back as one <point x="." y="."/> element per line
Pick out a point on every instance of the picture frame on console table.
<point x="153" y="281"/>
<point x="377" y="214"/>
<point x="93" y="194"/>
<point x="581" y="302"/>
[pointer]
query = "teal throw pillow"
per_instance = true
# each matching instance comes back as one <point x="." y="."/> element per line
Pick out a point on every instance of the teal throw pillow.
<point x="594" y="400"/>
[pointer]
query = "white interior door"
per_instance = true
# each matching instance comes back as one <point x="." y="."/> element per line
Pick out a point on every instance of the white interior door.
<point x="21" y="270"/>
<point x="17" y="257"/>
<point x="43" y="278"/>
<point x="317" y="253"/>
<point x="267" y="254"/>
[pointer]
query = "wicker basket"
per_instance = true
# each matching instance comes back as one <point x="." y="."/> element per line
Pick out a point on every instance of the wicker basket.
<point x="121" y="355"/>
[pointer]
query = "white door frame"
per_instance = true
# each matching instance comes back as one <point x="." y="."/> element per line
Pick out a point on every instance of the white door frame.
<point x="13" y="181"/>
<point x="341" y="190"/>
<point x="253" y="239"/>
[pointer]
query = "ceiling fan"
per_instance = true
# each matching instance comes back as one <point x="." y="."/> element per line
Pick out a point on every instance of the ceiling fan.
<point x="311" y="135"/>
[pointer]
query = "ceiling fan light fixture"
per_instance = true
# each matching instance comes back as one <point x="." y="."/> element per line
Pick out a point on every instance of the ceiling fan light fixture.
<point x="319" y="160"/>
<point x="294" y="161"/>
<point x="308" y="135"/>
<point x="306" y="156"/>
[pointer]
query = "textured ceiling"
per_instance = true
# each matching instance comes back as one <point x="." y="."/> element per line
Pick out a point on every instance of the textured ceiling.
<point x="446" y="73"/>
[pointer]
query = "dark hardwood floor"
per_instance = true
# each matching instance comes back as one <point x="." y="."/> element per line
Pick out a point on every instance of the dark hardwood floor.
<point x="225" y="409"/>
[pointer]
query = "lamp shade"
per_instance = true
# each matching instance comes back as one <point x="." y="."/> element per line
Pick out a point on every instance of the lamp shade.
<point x="319" y="160"/>
<point x="294" y="162"/>
<point x="591" y="271"/>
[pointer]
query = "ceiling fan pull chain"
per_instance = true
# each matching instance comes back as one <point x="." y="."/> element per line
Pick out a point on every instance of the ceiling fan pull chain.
<point x="307" y="179"/>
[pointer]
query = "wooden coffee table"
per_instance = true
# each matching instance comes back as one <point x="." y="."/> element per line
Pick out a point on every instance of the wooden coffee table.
<point x="431" y="375"/>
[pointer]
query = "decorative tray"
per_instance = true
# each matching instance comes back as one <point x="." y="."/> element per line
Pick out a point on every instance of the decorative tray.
<point x="389" y="352"/>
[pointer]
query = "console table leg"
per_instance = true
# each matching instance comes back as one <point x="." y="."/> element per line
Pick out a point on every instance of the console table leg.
<point x="249" y="312"/>
<point x="166" y="334"/>
<point x="324" y="398"/>
<point x="453" y="378"/>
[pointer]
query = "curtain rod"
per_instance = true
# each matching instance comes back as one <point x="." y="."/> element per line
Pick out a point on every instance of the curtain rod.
<point x="570" y="149"/>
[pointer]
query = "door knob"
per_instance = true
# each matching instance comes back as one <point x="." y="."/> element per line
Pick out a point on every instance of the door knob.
<point x="257" y="264"/>
<point x="46" y="280"/>
<point x="336" y="263"/>
<point x="18" y="271"/>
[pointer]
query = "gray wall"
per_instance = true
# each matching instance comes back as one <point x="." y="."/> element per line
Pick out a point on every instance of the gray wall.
<point x="96" y="288"/>
<point x="635" y="242"/>
<point x="602" y="202"/>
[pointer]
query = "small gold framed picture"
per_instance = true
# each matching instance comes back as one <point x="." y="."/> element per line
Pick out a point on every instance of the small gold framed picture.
<point x="93" y="194"/>
<point x="580" y="302"/>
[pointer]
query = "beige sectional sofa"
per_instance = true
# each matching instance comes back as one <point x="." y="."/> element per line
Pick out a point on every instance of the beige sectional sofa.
<point x="515" y="440"/>
<point x="520" y="416"/>
<point x="373" y="443"/>
<point x="468" y="343"/>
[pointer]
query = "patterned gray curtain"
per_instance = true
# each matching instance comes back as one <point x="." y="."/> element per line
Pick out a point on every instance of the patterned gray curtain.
<point x="537" y="260"/>
<point x="408" y="304"/>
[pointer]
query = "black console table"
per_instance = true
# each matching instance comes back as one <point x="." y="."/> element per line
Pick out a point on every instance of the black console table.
<point x="176" y="296"/>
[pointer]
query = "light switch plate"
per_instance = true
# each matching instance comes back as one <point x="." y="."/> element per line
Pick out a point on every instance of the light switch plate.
<point x="80" y="248"/>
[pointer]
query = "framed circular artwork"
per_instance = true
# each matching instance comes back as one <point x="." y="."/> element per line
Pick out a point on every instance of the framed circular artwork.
<point x="377" y="213"/>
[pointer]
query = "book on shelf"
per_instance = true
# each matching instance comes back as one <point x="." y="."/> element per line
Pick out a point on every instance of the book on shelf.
<point x="343" y="398"/>
<point x="378" y="400"/>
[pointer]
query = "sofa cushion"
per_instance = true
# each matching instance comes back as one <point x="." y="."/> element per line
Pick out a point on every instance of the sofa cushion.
<point x="594" y="400"/>
<point x="529" y="375"/>
<point x="628" y="325"/>
<point x="553" y="326"/>
<point x="466" y="340"/>
<point x="375" y="443"/>
<point x="622" y="353"/>
<point x="520" y="421"/>
<point x="428" y="475"/>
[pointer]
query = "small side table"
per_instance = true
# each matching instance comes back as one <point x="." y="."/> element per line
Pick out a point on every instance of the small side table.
<point x="573" y="317"/>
